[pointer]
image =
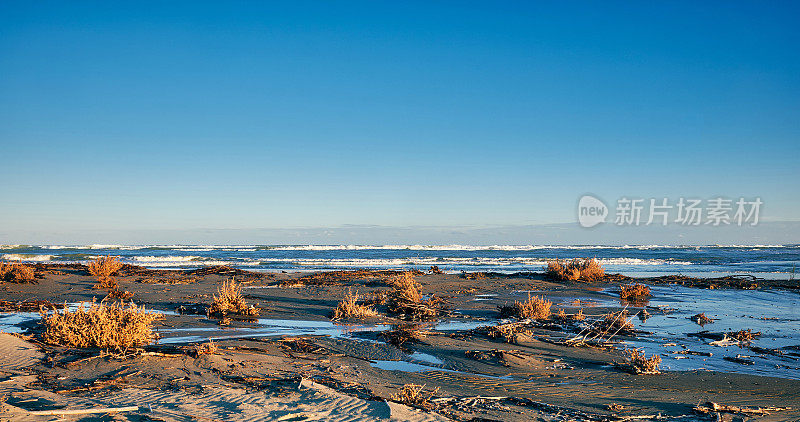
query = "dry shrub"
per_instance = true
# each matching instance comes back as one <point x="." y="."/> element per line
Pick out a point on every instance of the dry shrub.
<point x="207" y="348"/>
<point x="639" y="363"/>
<point x="701" y="319"/>
<point x="104" y="268"/>
<point x="116" y="327"/>
<point x="510" y="333"/>
<point x="406" y="300"/>
<point x="402" y="334"/>
<point x="536" y="307"/>
<point x="229" y="300"/>
<point x="17" y="273"/>
<point x="415" y="395"/>
<point x="562" y="316"/>
<point x="584" y="269"/>
<point x="634" y="291"/>
<point x="119" y="295"/>
<point x="350" y="308"/>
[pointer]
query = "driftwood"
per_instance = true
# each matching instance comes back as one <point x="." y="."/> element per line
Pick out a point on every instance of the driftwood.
<point x="711" y="407"/>
<point x="84" y="411"/>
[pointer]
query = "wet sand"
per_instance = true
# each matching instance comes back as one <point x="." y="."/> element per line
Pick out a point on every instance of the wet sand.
<point x="294" y="363"/>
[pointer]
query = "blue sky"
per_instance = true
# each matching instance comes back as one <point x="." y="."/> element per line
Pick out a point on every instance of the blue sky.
<point x="236" y="115"/>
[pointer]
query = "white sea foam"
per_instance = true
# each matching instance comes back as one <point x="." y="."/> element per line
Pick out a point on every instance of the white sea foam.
<point x="26" y="257"/>
<point x="452" y="247"/>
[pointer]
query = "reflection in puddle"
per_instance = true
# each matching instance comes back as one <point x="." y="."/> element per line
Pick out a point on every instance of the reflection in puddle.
<point x="269" y="328"/>
<point x="424" y="357"/>
<point x="12" y="322"/>
<point x="403" y="366"/>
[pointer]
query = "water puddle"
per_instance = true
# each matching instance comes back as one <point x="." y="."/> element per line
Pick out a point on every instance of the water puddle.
<point x="14" y="322"/>
<point x="266" y="327"/>
<point x="403" y="366"/>
<point x="424" y="357"/>
<point x="461" y="325"/>
<point x="774" y="313"/>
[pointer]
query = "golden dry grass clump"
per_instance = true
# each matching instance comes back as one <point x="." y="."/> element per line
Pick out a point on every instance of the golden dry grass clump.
<point x="207" y="348"/>
<point x="230" y="301"/>
<point x="634" y="291"/>
<point x="584" y="269"/>
<point x="536" y="307"/>
<point x="119" y="295"/>
<point x="115" y="327"/>
<point x="17" y="273"/>
<point x="406" y="300"/>
<point x="415" y="395"/>
<point x="639" y="363"/>
<point x="104" y="268"/>
<point x="350" y="308"/>
<point x="562" y="316"/>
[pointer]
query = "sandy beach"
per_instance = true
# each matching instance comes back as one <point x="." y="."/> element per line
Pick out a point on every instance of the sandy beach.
<point x="292" y="362"/>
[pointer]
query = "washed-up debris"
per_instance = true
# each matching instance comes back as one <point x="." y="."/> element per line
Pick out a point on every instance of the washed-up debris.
<point x="701" y="319"/>
<point x="739" y="359"/>
<point x="510" y="332"/>
<point x="601" y="331"/>
<point x="28" y="306"/>
<point x="415" y="395"/>
<point x="711" y="407"/>
<point x="733" y="338"/>
<point x="692" y="352"/>
<point x="563" y="413"/>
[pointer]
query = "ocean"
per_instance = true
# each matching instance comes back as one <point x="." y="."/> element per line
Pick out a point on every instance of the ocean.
<point x="766" y="261"/>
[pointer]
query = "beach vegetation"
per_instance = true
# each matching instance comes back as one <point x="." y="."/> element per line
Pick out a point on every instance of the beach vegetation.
<point x="206" y="348"/>
<point x="536" y="307"/>
<point x="16" y="272"/>
<point x="563" y="316"/>
<point x="583" y="269"/>
<point x="104" y="268"/>
<point x="638" y="363"/>
<point x="415" y="395"/>
<point x="402" y="334"/>
<point x="634" y="292"/>
<point x="114" y="327"/>
<point x="406" y="301"/>
<point x="230" y="301"/>
<point x="349" y="308"/>
<point x="117" y="294"/>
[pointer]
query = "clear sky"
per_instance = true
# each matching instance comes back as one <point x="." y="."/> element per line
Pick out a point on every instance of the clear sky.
<point x="240" y="115"/>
